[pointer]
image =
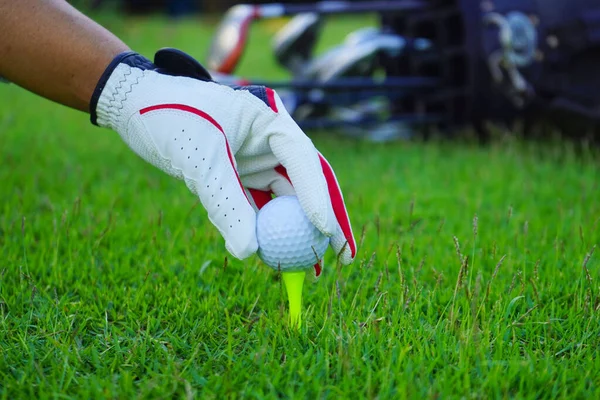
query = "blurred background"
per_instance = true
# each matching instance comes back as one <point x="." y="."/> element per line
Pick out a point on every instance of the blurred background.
<point x="447" y="64"/>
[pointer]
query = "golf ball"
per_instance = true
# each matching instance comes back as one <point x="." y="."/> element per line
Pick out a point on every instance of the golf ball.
<point x="287" y="240"/>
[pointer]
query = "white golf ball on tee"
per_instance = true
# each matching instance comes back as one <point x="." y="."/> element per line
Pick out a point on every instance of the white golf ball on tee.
<point x="287" y="240"/>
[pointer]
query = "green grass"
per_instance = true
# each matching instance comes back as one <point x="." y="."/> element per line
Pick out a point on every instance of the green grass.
<point x="474" y="277"/>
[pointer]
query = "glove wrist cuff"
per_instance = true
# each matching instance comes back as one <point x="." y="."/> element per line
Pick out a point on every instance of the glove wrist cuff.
<point x="111" y="84"/>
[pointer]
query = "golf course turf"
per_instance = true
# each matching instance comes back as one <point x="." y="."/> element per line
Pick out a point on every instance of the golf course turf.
<point x="476" y="276"/>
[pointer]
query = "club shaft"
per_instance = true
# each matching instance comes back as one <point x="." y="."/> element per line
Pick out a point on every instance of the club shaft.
<point x="327" y="122"/>
<point x="339" y="7"/>
<point x="344" y="98"/>
<point x="355" y="84"/>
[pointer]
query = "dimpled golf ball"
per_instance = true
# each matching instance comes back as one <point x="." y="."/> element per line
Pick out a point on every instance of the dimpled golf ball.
<point x="287" y="240"/>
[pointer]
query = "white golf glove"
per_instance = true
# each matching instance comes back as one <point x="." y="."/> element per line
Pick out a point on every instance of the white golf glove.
<point x="233" y="146"/>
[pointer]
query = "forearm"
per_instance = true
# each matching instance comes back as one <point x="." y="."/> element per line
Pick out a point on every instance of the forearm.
<point x="51" y="49"/>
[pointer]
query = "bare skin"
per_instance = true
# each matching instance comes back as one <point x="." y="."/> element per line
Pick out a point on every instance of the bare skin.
<point x="53" y="50"/>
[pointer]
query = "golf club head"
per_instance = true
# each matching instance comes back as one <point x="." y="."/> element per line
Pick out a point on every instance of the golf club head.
<point x="361" y="35"/>
<point x="313" y="69"/>
<point x="230" y="39"/>
<point x="356" y="57"/>
<point x="293" y="45"/>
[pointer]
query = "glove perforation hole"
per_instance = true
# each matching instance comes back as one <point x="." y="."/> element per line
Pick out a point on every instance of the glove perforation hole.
<point x="181" y="148"/>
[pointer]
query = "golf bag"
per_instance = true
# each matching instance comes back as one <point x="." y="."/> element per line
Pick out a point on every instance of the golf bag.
<point x="463" y="62"/>
<point x="504" y="59"/>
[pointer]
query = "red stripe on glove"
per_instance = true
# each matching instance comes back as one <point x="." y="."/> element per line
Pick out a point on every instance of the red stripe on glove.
<point x="280" y="169"/>
<point x="201" y="114"/>
<point x="337" y="201"/>
<point x="271" y="99"/>
<point x="260" y="197"/>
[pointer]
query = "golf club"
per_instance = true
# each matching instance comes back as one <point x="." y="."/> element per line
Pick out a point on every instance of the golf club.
<point x="230" y="39"/>
<point x="293" y="45"/>
<point x="357" y="58"/>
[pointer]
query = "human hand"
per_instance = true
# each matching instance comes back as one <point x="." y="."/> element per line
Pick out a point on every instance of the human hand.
<point x="233" y="146"/>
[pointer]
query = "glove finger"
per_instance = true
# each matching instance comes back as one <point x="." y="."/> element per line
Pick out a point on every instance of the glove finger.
<point x="342" y="247"/>
<point x="267" y="181"/>
<point x="199" y="153"/>
<point x="281" y="184"/>
<point x="299" y="157"/>
<point x="342" y="242"/>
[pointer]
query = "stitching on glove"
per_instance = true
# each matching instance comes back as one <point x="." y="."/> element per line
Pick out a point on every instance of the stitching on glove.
<point x="117" y="104"/>
<point x="137" y="81"/>
<point x="124" y="57"/>
<point x="113" y="98"/>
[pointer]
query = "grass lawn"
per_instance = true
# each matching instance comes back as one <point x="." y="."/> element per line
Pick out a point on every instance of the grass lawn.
<point x="475" y="276"/>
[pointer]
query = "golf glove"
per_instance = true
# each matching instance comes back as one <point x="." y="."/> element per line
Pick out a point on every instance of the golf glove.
<point x="233" y="146"/>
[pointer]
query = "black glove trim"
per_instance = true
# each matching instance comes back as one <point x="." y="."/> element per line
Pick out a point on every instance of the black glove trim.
<point x="258" y="91"/>
<point x="175" y="62"/>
